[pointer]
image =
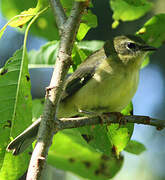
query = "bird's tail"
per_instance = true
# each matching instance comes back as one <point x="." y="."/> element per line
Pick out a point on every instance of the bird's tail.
<point x="25" y="139"/>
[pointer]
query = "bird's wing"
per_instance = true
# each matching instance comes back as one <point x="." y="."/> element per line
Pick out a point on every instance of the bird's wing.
<point x="83" y="74"/>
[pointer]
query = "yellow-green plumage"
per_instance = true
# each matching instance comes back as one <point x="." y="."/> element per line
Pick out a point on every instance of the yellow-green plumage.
<point x="112" y="85"/>
<point x="105" y="82"/>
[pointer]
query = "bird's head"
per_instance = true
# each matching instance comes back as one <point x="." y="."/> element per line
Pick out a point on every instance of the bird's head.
<point x="131" y="49"/>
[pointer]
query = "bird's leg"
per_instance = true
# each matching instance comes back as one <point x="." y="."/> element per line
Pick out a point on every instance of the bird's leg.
<point x="120" y="119"/>
<point x="118" y="115"/>
<point x="105" y="115"/>
<point x="92" y="113"/>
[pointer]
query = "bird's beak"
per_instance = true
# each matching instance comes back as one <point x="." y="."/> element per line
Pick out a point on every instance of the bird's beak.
<point x="148" y="48"/>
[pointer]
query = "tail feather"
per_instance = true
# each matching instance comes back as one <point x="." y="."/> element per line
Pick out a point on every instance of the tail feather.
<point x="25" y="139"/>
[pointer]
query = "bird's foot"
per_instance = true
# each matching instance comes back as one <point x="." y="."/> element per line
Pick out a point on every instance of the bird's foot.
<point x="119" y="116"/>
<point x="92" y="113"/>
<point x="120" y="119"/>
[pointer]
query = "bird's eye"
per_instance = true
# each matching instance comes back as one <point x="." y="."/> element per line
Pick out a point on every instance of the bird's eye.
<point x="131" y="45"/>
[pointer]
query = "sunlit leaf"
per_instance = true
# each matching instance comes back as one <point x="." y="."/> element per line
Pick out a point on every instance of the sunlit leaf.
<point x="153" y="31"/>
<point x="128" y="10"/>
<point x="70" y="151"/>
<point x="120" y="134"/>
<point x="15" y="113"/>
<point x="22" y="18"/>
<point x="68" y="155"/>
<point x="88" y="21"/>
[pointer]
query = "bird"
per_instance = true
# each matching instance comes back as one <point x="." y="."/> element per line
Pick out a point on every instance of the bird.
<point x="105" y="82"/>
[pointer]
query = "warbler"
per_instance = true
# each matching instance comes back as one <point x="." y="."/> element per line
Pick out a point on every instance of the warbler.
<point x="105" y="82"/>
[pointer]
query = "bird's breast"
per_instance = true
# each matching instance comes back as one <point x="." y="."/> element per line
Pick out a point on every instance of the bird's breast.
<point x="108" y="90"/>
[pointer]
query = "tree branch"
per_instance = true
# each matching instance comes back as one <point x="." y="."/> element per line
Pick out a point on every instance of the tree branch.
<point x="67" y="123"/>
<point x="59" y="13"/>
<point x="53" y="92"/>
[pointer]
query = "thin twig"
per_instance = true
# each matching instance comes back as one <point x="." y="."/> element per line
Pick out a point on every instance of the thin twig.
<point x="59" y="13"/>
<point x="53" y="92"/>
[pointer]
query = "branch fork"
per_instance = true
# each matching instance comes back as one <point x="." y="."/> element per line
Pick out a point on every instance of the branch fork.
<point x="68" y="27"/>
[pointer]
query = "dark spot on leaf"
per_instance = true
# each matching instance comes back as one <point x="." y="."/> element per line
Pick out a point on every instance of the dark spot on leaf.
<point x="42" y="101"/>
<point x="97" y="172"/>
<point x="159" y="128"/>
<point x="21" y="26"/>
<point x="27" y="78"/>
<point x="131" y="112"/>
<point x="87" y="137"/>
<point x="93" y="126"/>
<point x="106" y="128"/>
<point x="105" y="157"/>
<point x="114" y="149"/>
<point x="102" y="166"/>
<point x="87" y="163"/>
<point x="4" y="71"/>
<point x="87" y="8"/>
<point x="23" y="177"/>
<point x="72" y="160"/>
<point x="120" y="158"/>
<point x="30" y="153"/>
<point x="26" y="96"/>
<point x="84" y="21"/>
<point x="8" y="125"/>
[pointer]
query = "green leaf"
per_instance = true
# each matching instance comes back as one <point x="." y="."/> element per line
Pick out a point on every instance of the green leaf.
<point x="15" y="113"/>
<point x="25" y="16"/>
<point x="80" y="0"/>
<point x="78" y="56"/>
<point x="70" y="151"/>
<point x="37" y="108"/>
<point x="129" y="10"/>
<point x="88" y="21"/>
<point x="97" y="137"/>
<point x="22" y="18"/>
<point x="45" y="25"/>
<point x="128" y="110"/>
<point x="90" y="46"/>
<point x="68" y="155"/>
<point x="120" y="135"/>
<point x="82" y="50"/>
<point x="16" y="109"/>
<point x="153" y="31"/>
<point x="135" y="147"/>
<point x="108" y="139"/>
<point x="47" y="54"/>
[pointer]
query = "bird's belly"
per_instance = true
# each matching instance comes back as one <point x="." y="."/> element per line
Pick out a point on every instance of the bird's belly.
<point x="108" y="95"/>
<point x="102" y="95"/>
